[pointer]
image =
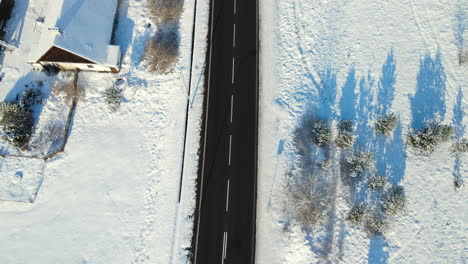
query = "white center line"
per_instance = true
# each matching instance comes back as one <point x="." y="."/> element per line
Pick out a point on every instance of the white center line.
<point x="234" y="36"/>
<point x="224" y="246"/>
<point x="232" y="106"/>
<point x="227" y="197"/>
<point x="233" y="62"/>
<point x="235" y="6"/>
<point x="230" y="145"/>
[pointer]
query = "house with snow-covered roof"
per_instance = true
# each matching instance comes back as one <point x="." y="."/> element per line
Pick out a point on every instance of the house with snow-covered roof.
<point x="76" y="34"/>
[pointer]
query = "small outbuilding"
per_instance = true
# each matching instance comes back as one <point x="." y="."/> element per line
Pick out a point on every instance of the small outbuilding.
<point x="76" y="34"/>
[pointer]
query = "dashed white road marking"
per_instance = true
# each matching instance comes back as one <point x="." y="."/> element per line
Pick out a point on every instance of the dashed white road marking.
<point x="232" y="106"/>
<point x="227" y="197"/>
<point x="233" y="68"/>
<point x="234" y="36"/>
<point x="230" y="147"/>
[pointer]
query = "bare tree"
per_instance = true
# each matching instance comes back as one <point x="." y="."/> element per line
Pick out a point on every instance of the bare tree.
<point x="162" y="11"/>
<point x="162" y="51"/>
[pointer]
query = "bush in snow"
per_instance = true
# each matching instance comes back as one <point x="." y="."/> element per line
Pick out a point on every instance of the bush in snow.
<point x="162" y="51"/>
<point x="31" y="97"/>
<point x="361" y="163"/>
<point x="17" y="124"/>
<point x="68" y="90"/>
<point x="325" y="165"/>
<point x="386" y="124"/>
<point x="428" y="138"/>
<point x="345" y="140"/>
<point x="460" y="146"/>
<point x="395" y="201"/>
<point x="345" y="126"/>
<point x="164" y="10"/>
<point x="357" y="214"/>
<point x="376" y="224"/>
<point x="321" y="133"/>
<point x="377" y="182"/>
<point x="113" y="97"/>
<point x="8" y="107"/>
<point x="458" y="183"/>
<point x="308" y="204"/>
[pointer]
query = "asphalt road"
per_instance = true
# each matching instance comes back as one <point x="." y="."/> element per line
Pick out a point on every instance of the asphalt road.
<point x="225" y="227"/>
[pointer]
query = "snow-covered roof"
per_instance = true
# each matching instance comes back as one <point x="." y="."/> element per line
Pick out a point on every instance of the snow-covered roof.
<point x="82" y="27"/>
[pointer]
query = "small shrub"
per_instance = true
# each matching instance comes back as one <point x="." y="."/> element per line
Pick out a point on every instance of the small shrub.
<point x="69" y="90"/>
<point x="395" y="201"/>
<point x="164" y="10"/>
<point x="325" y="165"/>
<point x="361" y="163"/>
<point x="8" y="107"/>
<point x="430" y="137"/>
<point x="17" y="125"/>
<point x="162" y="51"/>
<point x="357" y="214"/>
<point x="31" y="97"/>
<point x="386" y="124"/>
<point x="345" y="126"/>
<point x="376" y="224"/>
<point x="458" y="183"/>
<point x="460" y="146"/>
<point x="51" y="70"/>
<point x="308" y="204"/>
<point x="377" y="182"/>
<point x="113" y="97"/>
<point x="321" y="133"/>
<point x="345" y="140"/>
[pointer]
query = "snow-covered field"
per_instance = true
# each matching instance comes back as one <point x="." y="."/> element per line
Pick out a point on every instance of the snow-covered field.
<point x="358" y="60"/>
<point x="112" y="196"/>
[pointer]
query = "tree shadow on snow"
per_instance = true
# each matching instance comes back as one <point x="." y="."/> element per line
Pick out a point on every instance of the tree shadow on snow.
<point x="459" y="131"/>
<point x="428" y="103"/>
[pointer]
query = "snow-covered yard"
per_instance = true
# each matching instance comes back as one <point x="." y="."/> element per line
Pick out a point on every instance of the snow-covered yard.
<point x="112" y="196"/>
<point x="359" y="60"/>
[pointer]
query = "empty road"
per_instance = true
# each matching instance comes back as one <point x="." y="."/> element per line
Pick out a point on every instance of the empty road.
<point x="225" y="226"/>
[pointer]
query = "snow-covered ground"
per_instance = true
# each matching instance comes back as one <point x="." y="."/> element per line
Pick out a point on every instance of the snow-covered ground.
<point x="358" y="60"/>
<point x="112" y="196"/>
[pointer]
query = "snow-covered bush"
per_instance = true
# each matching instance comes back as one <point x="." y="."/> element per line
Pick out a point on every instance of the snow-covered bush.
<point x="68" y="90"/>
<point x="430" y="137"/>
<point x="308" y="203"/>
<point x="361" y="163"/>
<point x="386" y="124"/>
<point x="460" y="146"/>
<point x="31" y="97"/>
<point x="113" y="97"/>
<point x="8" y="107"/>
<point x="345" y="125"/>
<point x="321" y="133"/>
<point x="162" y="51"/>
<point x="17" y="125"/>
<point x="376" y="224"/>
<point x="345" y="140"/>
<point x="395" y="201"/>
<point x="377" y="182"/>
<point x="325" y="165"/>
<point x="458" y="183"/>
<point x="357" y="214"/>
<point x="164" y="10"/>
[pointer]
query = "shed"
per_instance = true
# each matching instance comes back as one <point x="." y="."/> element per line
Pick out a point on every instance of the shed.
<point x="76" y="34"/>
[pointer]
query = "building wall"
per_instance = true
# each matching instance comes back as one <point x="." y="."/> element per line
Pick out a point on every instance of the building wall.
<point x="81" y="66"/>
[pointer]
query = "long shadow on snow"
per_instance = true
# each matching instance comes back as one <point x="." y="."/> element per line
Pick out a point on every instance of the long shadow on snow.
<point x="390" y="152"/>
<point x="428" y="103"/>
<point x="459" y="130"/>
